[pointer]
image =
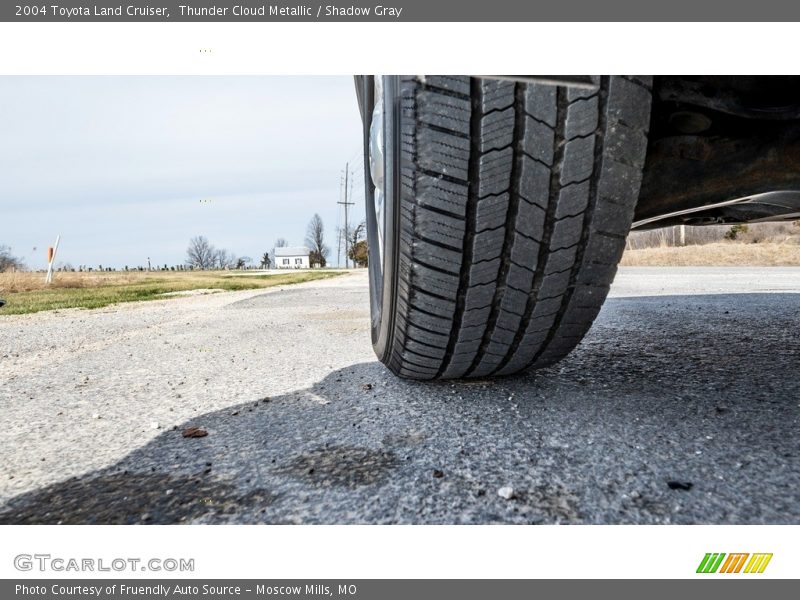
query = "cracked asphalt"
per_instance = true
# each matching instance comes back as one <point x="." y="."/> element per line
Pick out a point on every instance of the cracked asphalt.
<point x="682" y="405"/>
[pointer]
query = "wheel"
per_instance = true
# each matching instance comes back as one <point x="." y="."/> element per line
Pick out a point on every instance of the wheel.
<point x="497" y="212"/>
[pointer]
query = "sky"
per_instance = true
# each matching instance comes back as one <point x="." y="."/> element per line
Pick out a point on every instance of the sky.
<point x="126" y="168"/>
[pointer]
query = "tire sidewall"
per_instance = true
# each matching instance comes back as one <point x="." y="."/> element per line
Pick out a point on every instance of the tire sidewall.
<point x="383" y="277"/>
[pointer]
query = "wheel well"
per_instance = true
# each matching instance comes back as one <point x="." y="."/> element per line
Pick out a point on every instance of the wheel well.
<point x="719" y="147"/>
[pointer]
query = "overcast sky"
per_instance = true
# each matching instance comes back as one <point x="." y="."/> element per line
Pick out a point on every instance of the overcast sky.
<point x="119" y="165"/>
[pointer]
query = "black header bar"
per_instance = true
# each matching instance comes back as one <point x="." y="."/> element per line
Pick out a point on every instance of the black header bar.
<point x="403" y="11"/>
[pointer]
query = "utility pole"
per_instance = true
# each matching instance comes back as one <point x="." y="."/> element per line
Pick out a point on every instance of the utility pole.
<point x="339" y="229"/>
<point x="346" y="204"/>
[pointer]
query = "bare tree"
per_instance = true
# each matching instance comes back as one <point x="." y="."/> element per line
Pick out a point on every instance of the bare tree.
<point x="356" y="234"/>
<point x="201" y="254"/>
<point x="279" y="243"/>
<point x="223" y="259"/>
<point x="266" y="261"/>
<point x="9" y="262"/>
<point x="315" y="240"/>
<point x="357" y="249"/>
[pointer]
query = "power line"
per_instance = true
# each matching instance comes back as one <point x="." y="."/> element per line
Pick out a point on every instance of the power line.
<point x="358" y="154"/>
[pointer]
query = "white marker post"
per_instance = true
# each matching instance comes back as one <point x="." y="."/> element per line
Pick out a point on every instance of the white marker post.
<point x="51" y="260"/>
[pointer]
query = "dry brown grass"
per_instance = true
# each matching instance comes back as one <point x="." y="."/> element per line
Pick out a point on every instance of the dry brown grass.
<point x="723" y="254"/>
<point x="27" y="292"/>
<point x="31" y="281"/>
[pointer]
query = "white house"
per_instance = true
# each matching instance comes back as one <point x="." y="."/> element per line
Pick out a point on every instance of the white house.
<point x="292" y="257"/>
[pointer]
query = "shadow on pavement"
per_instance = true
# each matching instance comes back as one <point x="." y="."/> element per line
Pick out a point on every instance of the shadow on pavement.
<point x="675" y="409"/>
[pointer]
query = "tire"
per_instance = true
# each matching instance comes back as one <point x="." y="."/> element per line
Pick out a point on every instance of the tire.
<point x="507" y="212"/>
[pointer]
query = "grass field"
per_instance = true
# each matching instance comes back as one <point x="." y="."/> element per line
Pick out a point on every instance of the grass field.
<point x="722" y="254"/>
<point x="27" y="292"/>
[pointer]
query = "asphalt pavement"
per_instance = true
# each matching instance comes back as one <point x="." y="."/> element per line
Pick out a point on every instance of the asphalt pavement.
<point x="682" y="405"/>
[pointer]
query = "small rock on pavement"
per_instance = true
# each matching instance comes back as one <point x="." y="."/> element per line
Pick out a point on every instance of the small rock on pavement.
<point x="680" y="485"/>
<point x="506" y="492"/>
<point x="96" y="416"/>
<point x="194" y="432"/>
<point x="155" y="425"/>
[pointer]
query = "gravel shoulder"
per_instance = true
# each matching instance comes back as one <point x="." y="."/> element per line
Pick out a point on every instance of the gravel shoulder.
<point x="681" y="406"/>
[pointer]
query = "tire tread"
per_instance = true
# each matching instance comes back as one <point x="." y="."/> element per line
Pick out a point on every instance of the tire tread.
<point x="515" y="202"/>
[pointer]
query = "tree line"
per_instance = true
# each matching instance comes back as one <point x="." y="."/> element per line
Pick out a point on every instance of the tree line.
<point x="201" y="253"/>
<point x="354" y="237"/>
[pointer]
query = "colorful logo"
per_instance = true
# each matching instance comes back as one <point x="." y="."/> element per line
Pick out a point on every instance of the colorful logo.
<point x="734" y="563"/>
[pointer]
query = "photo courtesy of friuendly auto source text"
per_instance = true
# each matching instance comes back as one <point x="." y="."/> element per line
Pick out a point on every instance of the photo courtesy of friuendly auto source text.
<point x="430" y="329"/>
<point x="230" y="297"/>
